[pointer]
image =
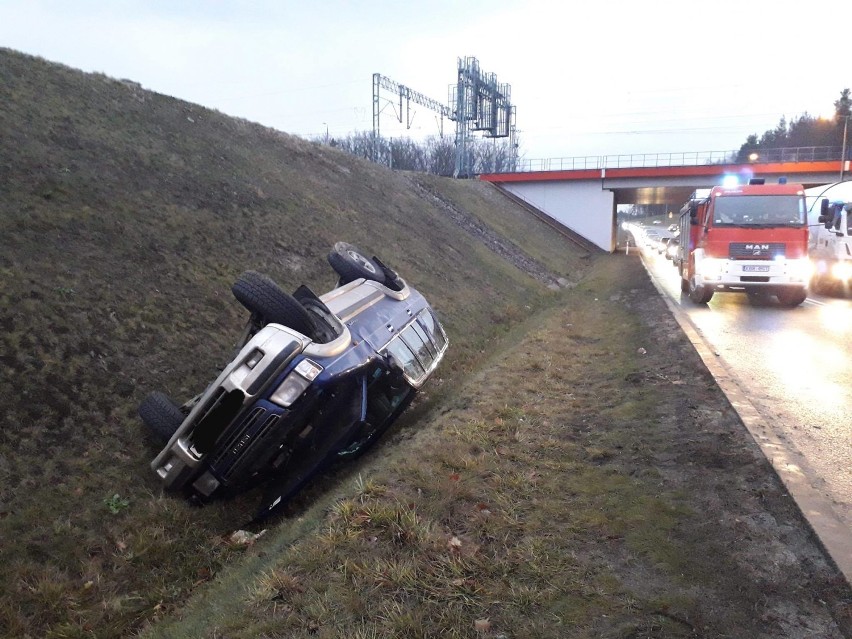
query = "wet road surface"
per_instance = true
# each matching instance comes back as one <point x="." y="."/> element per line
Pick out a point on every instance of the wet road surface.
<point x="794" y="365"/>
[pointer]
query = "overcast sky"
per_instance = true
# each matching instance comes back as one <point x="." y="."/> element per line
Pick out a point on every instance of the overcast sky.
<point x="587" y="78"/>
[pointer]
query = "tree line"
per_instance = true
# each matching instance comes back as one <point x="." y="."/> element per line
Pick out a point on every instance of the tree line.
<point x="435" y="154"/>
<point x="806" y="131"/>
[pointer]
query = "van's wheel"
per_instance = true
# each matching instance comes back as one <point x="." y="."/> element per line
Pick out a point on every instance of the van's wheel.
<point x="350" y="264"/>
<point x="161" y="415"/>
<point x="699" y="294"/>
<point x="261" y="295"/>
<point x="819" y="286"/>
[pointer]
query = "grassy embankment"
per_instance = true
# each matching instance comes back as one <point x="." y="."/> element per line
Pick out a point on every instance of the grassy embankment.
<point x="574" y="486"/>
<point x="538" y="489"/>
<point x="125" y="216"/>
<point x="503" y="515"/>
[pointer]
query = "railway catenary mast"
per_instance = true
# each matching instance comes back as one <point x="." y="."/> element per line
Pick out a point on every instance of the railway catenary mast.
<point x="479" y="103"/>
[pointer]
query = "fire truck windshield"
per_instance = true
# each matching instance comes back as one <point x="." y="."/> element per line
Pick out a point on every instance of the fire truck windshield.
<point x="759" y="210"/>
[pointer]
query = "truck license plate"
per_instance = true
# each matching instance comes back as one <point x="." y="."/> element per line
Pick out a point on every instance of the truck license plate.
<point x="748" y="268"/>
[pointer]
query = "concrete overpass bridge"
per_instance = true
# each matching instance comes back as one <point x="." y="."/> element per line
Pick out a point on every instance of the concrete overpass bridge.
<point x="582" y="193"/>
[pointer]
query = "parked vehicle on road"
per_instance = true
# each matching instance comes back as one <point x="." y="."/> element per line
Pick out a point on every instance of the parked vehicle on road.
<point x="315" y="379"/>
<point x="830" y="239"/>
<point x="748" y="238"/>
<point x="672" y="245"/>
<point x="651" y="236"/>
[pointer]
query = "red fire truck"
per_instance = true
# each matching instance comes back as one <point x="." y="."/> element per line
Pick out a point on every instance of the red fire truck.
<point x="747" y="238"/>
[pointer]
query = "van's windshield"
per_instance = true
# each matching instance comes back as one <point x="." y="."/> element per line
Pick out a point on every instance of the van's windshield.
<point x="759" y="210"/>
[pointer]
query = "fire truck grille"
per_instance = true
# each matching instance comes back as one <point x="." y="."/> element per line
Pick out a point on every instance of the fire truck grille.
<point x="756" y="250"/>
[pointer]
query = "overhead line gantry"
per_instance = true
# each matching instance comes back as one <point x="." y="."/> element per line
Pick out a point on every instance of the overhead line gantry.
<point x="479" y="104"/>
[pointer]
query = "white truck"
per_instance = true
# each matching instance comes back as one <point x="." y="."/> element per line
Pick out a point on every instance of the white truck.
<point x="830" y="236"/>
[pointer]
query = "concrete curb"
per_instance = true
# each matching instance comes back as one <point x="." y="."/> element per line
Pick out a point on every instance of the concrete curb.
<point x="789" y="464"/>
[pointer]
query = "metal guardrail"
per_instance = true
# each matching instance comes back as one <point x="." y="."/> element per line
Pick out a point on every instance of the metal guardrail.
<point x="694" y="158"/>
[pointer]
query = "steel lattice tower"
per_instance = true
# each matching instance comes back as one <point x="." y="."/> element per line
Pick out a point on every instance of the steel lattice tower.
<point x="479" y="103"/>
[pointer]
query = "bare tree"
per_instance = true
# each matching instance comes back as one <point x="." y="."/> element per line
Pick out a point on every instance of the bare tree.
<point x="441" y="156"/>
<point x="406" y="155"/>
<point x="435" y="155"/>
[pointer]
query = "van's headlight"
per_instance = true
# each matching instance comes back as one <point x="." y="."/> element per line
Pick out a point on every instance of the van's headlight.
<point x="296" y="383"/>
<point x="842" y="271"/>
<point x="799" y="269"/>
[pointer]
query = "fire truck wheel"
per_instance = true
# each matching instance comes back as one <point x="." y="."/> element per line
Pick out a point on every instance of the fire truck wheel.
<point x="792" y="297"/>
<point x="699" y="294"/>
<point x="684" y="285"/>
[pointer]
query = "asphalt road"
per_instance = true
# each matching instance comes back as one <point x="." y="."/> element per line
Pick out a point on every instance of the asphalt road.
<point x="793" y="365"/>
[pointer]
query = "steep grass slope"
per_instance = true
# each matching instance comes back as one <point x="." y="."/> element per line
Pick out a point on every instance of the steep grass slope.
<point x="125" y="216"/>
<point x="572" y="470"/>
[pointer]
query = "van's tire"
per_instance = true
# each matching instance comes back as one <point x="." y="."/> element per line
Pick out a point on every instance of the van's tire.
<point x="822" y="285"/>
<point x="161" y="415"/>
<point x="262" y="296"/>
<point x="817" y="285"/>
<point x="350" y="264"/>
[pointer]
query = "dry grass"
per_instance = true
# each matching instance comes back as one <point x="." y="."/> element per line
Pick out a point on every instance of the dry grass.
<point x="549" y="482"/>
<point x="493" y="512"/>
<point x="540" y="501"/>
<point x="125" y="217"/>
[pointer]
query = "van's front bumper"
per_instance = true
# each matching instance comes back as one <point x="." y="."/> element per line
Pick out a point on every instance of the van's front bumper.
<point x="226" y="402"/>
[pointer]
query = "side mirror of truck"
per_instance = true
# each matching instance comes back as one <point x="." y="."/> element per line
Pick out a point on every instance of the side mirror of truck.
<point x="693" y="213"/>
<point x="826" y="215"/>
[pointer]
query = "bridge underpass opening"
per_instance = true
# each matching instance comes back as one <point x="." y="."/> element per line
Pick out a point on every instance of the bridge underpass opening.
<point x="586" y="201"/>
<point x="661" y="205"/>
<point x="674" y="196"/>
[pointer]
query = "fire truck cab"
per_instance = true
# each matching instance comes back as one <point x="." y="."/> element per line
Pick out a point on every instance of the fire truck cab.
<point x="749" y="238"/>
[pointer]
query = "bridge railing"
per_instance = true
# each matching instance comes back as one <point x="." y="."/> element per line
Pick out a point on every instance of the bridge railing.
<point x="692" y="158"/>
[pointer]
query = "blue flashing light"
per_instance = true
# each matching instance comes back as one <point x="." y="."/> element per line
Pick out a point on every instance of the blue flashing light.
<point x="730" y="180"/>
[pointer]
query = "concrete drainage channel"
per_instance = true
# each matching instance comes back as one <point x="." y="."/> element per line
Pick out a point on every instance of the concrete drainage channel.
<point x="789" y="464"/>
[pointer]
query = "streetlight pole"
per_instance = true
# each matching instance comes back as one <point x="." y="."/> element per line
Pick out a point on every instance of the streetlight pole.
<point x="843" y="151"/>
<point x="326" y="132"/>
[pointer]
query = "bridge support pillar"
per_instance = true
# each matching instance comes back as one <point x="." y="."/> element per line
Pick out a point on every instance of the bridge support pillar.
<point x="585" y="208"/>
